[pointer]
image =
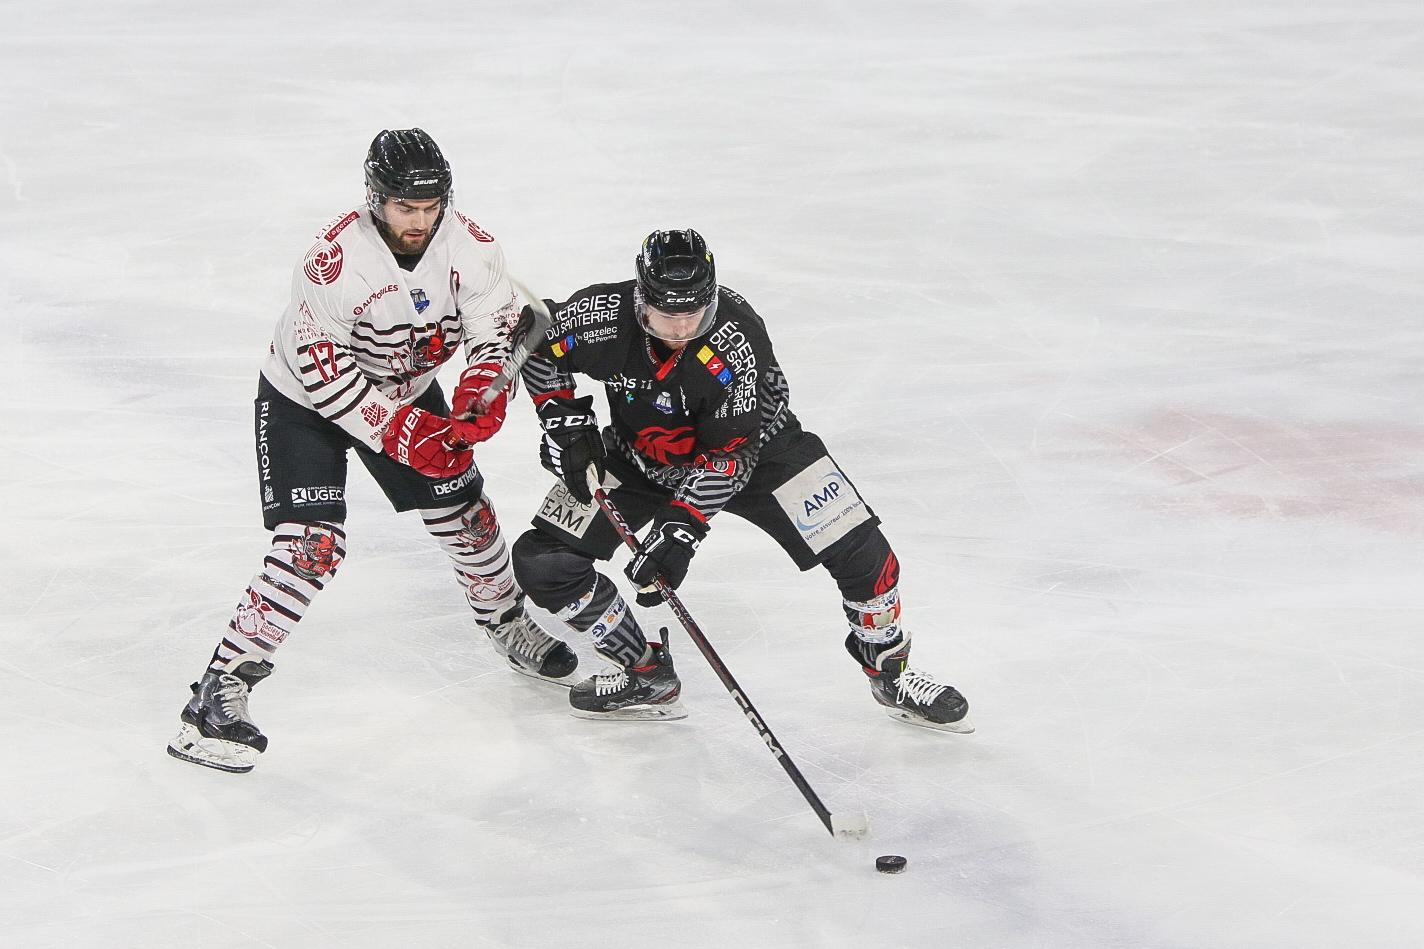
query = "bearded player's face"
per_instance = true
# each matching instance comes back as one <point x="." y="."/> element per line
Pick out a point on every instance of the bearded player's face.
<point x="409" y="223"/>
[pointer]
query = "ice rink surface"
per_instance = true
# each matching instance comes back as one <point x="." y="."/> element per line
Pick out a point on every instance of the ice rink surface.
<point x="1112" y="310"/>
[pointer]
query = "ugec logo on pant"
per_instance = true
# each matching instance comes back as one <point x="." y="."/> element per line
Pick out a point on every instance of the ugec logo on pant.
<point x="319" y="494"/>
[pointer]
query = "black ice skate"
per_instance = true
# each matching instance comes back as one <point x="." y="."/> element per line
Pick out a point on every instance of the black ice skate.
<point x="217" y="730"/>
<point x="909" y="695"/>
<point x="647" y="692"/>
<point x="531" y="651"/>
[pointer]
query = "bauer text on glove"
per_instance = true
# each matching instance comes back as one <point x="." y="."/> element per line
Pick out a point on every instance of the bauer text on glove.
<point x="436" y="447"/>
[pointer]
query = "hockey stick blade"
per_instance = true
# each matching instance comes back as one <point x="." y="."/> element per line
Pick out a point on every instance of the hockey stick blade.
<point x="850" y="825"/>
<point x="837" y="825"/>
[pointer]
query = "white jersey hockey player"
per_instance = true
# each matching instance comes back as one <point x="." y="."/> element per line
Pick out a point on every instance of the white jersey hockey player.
<point x="386" y="295"/>
<point x="367" y="325"/>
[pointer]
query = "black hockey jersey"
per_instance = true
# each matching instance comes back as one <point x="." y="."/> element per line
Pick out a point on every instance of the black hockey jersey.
<point x="693" y="421"/>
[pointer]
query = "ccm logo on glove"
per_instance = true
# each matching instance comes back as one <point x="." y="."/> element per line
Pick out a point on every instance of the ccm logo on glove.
<point x="666" y="552"/>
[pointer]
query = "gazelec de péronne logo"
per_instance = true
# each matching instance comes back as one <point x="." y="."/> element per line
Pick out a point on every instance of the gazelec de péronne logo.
<point x="821" y="501"/>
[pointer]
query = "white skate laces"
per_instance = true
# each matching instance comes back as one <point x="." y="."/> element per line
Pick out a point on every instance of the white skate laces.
<point x="919" y="687"/>
<point x="232" y="693"/>
<point x="523" y="636"/>
<point x="610" y="682"/>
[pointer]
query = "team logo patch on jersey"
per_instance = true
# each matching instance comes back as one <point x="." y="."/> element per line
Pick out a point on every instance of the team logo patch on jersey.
<point x="427" y="347"/>
<point x="663" y="444"/>
<point x="562" y="347"/>
<point x="417" y="297"/>
<point x="663" y="403"/>
<point x="323" y="263"/>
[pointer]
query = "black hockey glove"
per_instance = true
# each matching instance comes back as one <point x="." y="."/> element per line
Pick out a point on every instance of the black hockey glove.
<point x="665" y="552"/>
<point x="571" y="443"/>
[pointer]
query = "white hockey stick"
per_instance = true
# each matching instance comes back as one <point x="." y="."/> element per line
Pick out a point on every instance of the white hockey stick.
<point x="531" y="335"/>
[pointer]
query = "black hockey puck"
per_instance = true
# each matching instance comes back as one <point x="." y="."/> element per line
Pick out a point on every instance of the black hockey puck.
<point x="890" y="863"/>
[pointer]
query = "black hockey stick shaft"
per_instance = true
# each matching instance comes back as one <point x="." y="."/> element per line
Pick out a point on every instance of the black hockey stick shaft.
<point x="718" y="666"/>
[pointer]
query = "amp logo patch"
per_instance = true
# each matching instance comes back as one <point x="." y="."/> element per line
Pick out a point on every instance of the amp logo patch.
<point x="830" y="490"/>
<point x="822" y="503"/>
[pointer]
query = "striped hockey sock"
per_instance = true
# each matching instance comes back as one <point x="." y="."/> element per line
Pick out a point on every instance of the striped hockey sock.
<point x="303" y="558"/>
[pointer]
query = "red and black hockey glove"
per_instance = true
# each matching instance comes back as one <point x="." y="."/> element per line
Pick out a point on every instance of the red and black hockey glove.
<point x="666" y="552"/>
<point x="436" y="447"/>
<point x="465" y="404"/>
<point x="571" y="443"/>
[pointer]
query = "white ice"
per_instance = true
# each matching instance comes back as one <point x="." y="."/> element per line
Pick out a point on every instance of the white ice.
<point x="1112" y="309"/>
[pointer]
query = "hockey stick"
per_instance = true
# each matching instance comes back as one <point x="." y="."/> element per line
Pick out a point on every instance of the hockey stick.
<point x="531" y="335"/>
<point x="838" y="825"/>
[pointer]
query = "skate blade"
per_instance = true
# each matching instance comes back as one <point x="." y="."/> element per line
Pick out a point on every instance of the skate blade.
<point x="190" y="745"/>
<point x="666" y="712"/>
<point x="566" y="682"/>
<point x="962" y="727"/>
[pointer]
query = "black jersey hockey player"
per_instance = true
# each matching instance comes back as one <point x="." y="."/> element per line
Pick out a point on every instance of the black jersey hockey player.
<point x="386" y="295"/>
<point x="700" y="423"/>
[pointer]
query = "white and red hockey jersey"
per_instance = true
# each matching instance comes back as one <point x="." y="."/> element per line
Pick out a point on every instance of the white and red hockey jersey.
<point x="362" y="337"/>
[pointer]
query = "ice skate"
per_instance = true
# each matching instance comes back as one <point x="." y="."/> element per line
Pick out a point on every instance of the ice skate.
<point x="909" y="695"/>
<point x="531" y="651"/>
<point x="642" y="693"/>
<point x="217" y="730"/>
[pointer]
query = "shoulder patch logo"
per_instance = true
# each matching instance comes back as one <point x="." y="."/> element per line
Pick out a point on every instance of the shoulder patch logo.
<point x="477" y="232"/>
<point x="323" y="263"/>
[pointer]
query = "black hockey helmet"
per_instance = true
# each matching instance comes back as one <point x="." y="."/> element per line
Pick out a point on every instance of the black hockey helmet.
<point x="405" y="163"/>
<point x="676" y="272"/>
